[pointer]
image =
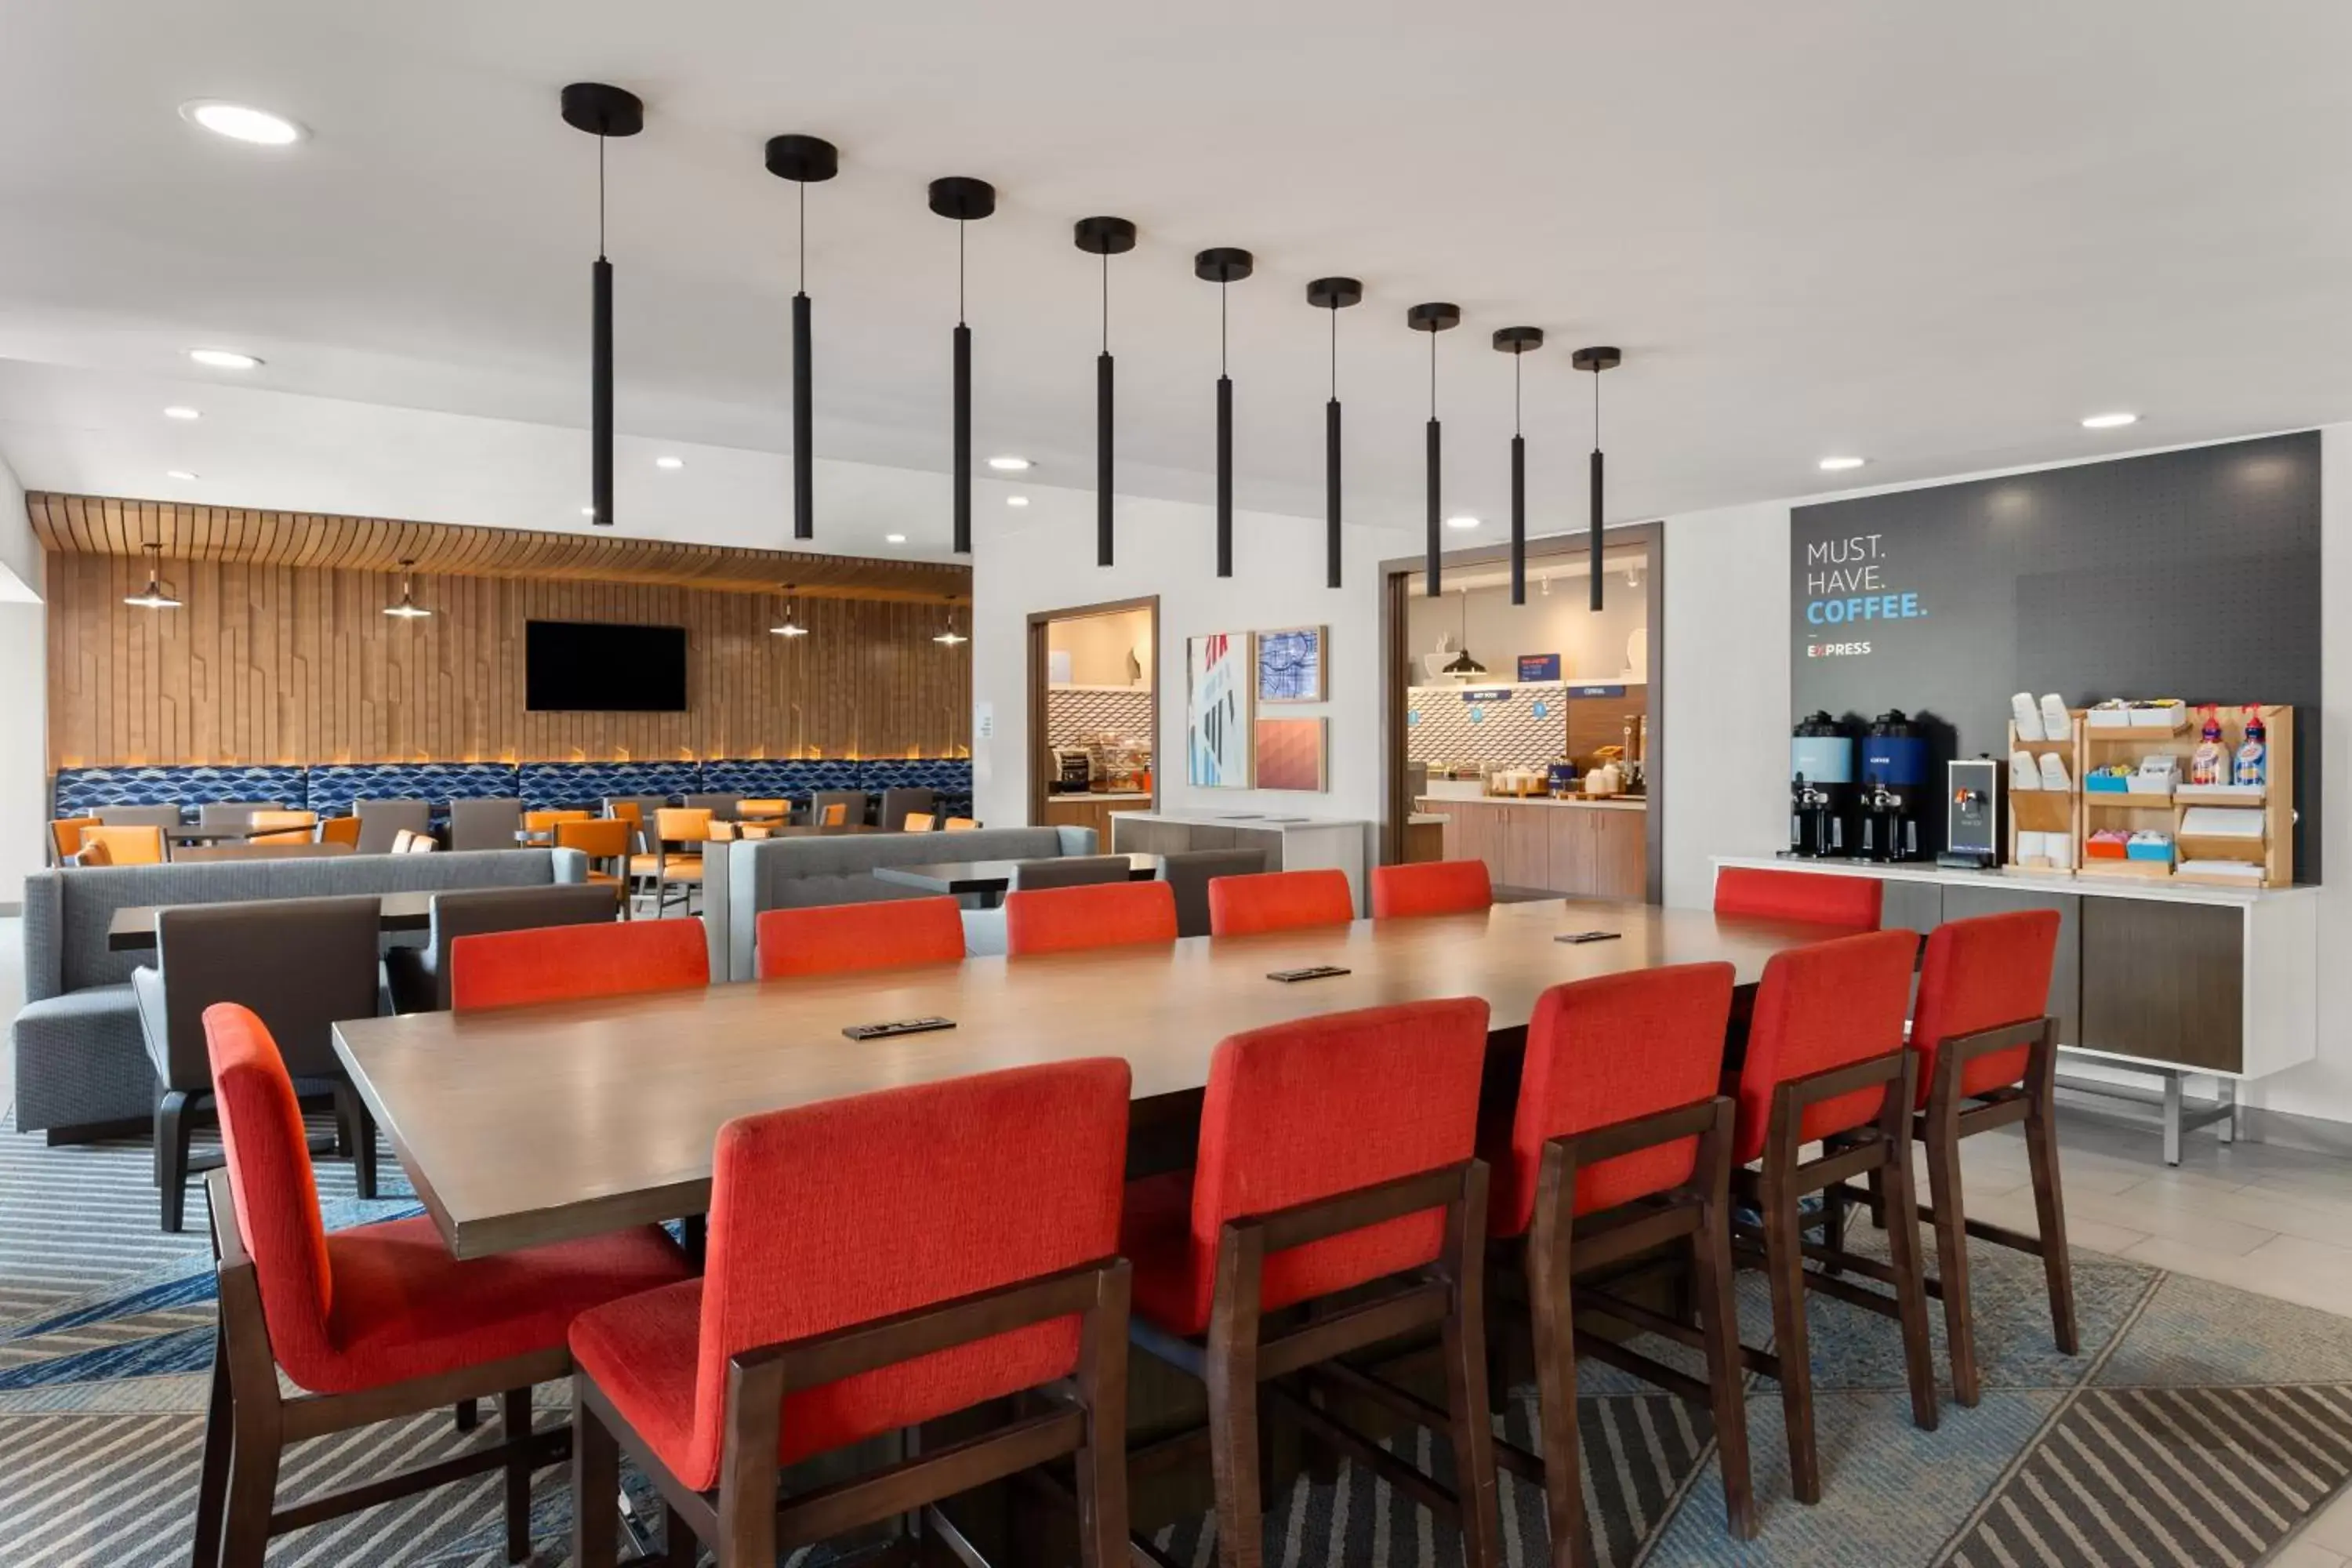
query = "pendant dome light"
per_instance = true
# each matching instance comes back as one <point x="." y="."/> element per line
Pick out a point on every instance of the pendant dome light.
<point x="963" y="199"/>
<point x="1332" y="294"/>
<point x="408" y="608"/>
<point x="1596" y="360"/>
<point x="603" y="113"/>
<point x="1105" y="238"/>
<point x="789" y="627"/>
<point x="1515" y="341"/>
<point x="804" y="161"/>
<point x="1434" y="318"/>
<point x="948" y="636"/>
<point x="1223" y="265"/>
<point x="1463" y="667"/>
<point x="152" y="597"/>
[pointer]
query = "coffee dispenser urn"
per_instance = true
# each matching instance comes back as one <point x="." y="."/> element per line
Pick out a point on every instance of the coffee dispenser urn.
<point x="1820" y="787"/>
<point x="1894" y="787"/>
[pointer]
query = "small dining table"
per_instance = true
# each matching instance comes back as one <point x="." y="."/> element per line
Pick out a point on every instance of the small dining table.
<point x="520" y="1126"/>
<point x="133" y="927"/>
<point x="988" y="879"/>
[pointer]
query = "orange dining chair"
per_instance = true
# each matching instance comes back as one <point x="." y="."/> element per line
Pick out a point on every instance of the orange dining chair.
<point x="605" y="841"/>
<point x="918" y="822"/>
<point x="833" y="815"/>
<point x="340" y="830"/>
<point x="962" y="823"/>
<point x="543" y="821"/>
<point x="1824" y="898"/>
<point x="64" y="837"/>
<point x="775" y="810"/>
<point x="126" y="846"/>
<point x="270" y="825"/>
<point x="1431" y="888"/>
<point x="549" y="964"/>
<point x="1279" y="900"/>
<point x="628" y="811"/>
<point x="688" y="828"/>
<point x="1097" y="914"/>
<point x="94" y="853"/>
<point x="836" y="939"/>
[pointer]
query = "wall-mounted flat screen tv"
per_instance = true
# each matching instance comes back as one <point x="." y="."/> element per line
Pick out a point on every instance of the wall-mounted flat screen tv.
<point x="594" y="667"/>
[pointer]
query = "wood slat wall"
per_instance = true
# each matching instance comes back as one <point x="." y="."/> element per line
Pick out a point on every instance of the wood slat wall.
<point x="277" y="663"/>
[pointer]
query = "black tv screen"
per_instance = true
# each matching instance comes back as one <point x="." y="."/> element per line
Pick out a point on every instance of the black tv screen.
<point x="591" y="666"/>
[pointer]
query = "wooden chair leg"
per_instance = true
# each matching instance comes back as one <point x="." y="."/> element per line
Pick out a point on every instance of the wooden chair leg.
<point x="1952" y="1251"/>
<point x="469" y="1415"/>
<point x="1834" y="1218"/>
<point x="2049" y="1207"/>
<point x="1784" y="1265"/>
<point x="1551" y="1307"/>
<point x="679" y="1548"/>
<point x="173" y="1128"/>
<point x="1719" y="1311"/>
<point x="1472" y="1428"/>
<point x="1233" y="1461"/>
<point x="1877" y="1200"/>
<point x="1910" y="1280"/>
<point x="211" y="1484"/>
<point x="1100" y="1465"/>
<point x="514" y="1417"/>
<point x="252" y="1494"/>
<point x="595" y="1480"/>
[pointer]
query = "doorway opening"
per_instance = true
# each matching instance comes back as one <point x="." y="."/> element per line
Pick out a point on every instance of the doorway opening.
<point x="1094" y="713"/>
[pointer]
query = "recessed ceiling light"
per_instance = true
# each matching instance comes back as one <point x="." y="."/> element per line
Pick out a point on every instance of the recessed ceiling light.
<point x="2109" y="421"/>
<point x="180" y="411"/>
<point x="224" y="359"/>
<point x="894" y="539"/>
<point x="1840" y="464"/>
<point x="1009" y="465"/>
<point x="1016" y="500"/>
<point x="587" y="511"/>
<point x="242" y="122"/>
<point x="669" y="462"/>
<point x="1462" y="520"/>
<point x="178" y="474"/>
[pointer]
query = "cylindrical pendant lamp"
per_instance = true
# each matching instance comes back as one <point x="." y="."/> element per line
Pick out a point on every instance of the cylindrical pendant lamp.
<point x="1105" y="238"/>
<point x="963" y="199"/>
<point x="1596" y="360"/>
<point x="604" y="112"/>
<point x="1514" y="341"/>
<point x="1332" y="294"/>
<point x="804" y="161"/>
<point x="1434" y="318"/>
<point x="1221" y="265"/>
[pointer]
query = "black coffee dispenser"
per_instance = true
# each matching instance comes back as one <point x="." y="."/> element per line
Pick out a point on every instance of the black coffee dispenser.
<point x="1820" y="787"/>
<point x="1894" y="787"/>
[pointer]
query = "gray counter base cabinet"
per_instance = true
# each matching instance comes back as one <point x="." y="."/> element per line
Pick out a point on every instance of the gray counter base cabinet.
<point x="1288" y="843"/>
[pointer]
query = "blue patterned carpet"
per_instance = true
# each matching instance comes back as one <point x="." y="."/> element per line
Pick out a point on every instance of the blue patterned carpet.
<point x="2200" y="1427"/>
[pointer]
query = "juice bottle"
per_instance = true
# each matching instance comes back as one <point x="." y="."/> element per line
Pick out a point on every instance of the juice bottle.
<point x="2211" y="762"/>
<point x="2254" y="754"/>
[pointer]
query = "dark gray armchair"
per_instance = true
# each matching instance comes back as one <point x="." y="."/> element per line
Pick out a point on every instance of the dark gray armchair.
<point x="141" y="816"/>
<point x="484" y="824"/>
<point x="420" y="975"/>
<point x="226" y="814"/>
<point x="381" y="822"/>
<point x="302" y="965"/>
<point x="1068" y="871"/>
<point x="855" y="800"/>
<point x="1189" y="873"/>
<point x="897" y="801"/>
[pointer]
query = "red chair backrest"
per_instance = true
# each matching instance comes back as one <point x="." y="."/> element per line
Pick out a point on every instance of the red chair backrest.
<point x="1099" y="914"/>
<point x="1279" y="900"/>
<point x="836" y="939"/>
<point x="1432" y="887"/>
<point x="1980" y="974"/>
<point x="1825" y="897"/>
<point x="849" y="1210"/>
<point x="1820" y="1007"/>
<point x="549" y="964"/>
<point x="1312" y="1108"/>
<point x="269" y="1159"/>
<point x="1613" y="1049"/>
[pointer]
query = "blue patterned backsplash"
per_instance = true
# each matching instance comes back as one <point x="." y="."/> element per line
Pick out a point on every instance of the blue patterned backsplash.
<point x="81" y="791"/>
<point x="333" y="787"/>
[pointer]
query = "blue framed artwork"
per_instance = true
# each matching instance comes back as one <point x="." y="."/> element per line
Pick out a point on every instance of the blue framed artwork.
<point x="1290" y="665"/>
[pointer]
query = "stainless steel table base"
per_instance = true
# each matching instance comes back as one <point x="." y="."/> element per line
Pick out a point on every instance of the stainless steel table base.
<point x="2177" y="1114"/>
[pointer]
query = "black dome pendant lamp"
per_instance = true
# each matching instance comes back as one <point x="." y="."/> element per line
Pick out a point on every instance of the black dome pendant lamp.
<point x="1221" y="265"/>
<point x="1434" y="318"/>
<point x="1596" y="360"/>
<point x="1514" y="341"/>
<point x="1332" y="294"/>
<point x="603" y="113"/>
<point x="963" y="199"/>
<point x="1105" y="238"/>
<point x="804" y="161"/>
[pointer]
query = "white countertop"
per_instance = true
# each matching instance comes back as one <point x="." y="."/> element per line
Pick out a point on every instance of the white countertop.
<point x="1098" y="795"/>
<point x="2165" y="889"/>
<point x="1575" y="802"/>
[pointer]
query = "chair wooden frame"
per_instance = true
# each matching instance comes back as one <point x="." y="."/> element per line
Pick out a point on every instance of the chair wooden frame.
<point x="250" y="1423"/>
<point x="1083" y="1417"/>
<point x="1298" y="1364"/>
<point x="1560" y="1244"/>
<point x="1880" y="1150"/>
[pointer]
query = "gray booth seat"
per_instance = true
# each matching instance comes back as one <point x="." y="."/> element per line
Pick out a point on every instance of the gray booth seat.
<point x="484" y="824"/>
<point x="798" y="873"/>
<point x="81" y="1061"/>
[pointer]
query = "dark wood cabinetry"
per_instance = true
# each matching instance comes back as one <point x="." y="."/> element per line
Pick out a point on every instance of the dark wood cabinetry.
<point x="2164" y="981"/>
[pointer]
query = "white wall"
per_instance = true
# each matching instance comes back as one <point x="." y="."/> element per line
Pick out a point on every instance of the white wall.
<point x="1591" y="647"/>
<point x="24" y="680"/>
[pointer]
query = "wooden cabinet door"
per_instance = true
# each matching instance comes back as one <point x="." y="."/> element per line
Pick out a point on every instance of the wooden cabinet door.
<point x="1451" y="830"/>
<point x="2164" y="981"/>
<point x="1527" y="847"/>
<point x="1621" y="857"/>
<point x="1574" y="868"/>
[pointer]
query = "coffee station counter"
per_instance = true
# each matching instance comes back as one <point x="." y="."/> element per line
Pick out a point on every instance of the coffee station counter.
<point x="1580" y="845"/>
<point x="1093" y="808"/>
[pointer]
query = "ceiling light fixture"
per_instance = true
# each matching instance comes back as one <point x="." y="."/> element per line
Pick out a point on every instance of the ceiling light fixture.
<point x="603" y="113"/>
<point x="671" y="463"/>
<point x="224" y="359"/>
<point x="183" y="474"/>
<point x="1462" y="520"/>
<point x="788" y="627"/>
<point x="804" y="161"/>
<point x="152" y="596"/>
<point x="1332" y="294"/>
<point x="2110" y="421"/>
<point x="1434" y="318"/>
<point x="242" y="122"/>
<point x="894" y="539"/>
<point x="1840" y="464"/>
<point x="1515" y="341"/>
<point x="180" y="411"/>
<point x="1010" y="465"/>
<point x="948" y="636"/>
<point x="1596" y="360"/>
<point x="1223" y="265"/>
<point x="408" y="608"/>
<point x="1105" y="238"/>
<point x="963" y="199"/>
<point x="587" y="511"/>
<point x="1016" y="500"/>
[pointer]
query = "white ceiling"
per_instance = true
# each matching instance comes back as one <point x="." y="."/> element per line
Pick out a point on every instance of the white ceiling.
<point x="1934" y="235"/>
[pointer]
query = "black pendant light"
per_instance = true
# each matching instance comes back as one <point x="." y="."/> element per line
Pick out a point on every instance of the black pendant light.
<point x="1332" y="294"/>
<point x="1221" y="265"/>
<point x="152" y="597"/>
<point x="963" y="199"/>
<point x="1596" y="360"/>
<point x="1463" y="667"/>
<point x="789" y="627"/>
<point x="804" y="161"/>
<point x="1434" y="318"/>
<point x="603" y="113"/>
<point x="408" y="608"/>
<point x="1105" y="238"/>
<point x="1514" y="341"/>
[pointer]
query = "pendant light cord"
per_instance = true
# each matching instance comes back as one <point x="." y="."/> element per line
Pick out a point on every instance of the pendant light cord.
<point x="1596" y="408"/>
<point x="804" y="234"/>
<point x="1516" y="429"/>
<point x="600" y="195"/>
<point x="1221" y="327"/>
<point x="960" y="272"/>
<point x="1334" y="353"/>
<point x="1432" y="375"/>
<point x="1105" y="301"/>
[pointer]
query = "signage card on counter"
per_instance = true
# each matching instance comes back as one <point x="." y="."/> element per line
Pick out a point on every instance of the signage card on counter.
<point x="1487" y="694"/>
<point x="1539" y="667"/>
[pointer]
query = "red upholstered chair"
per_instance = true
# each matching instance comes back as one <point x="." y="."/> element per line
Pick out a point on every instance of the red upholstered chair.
<point x="1334" y="1151"/>
<point x="1819" y="896"/>
<point x="1826" y="1062"/>
<point x="554" y="963"/>
<point x="1279" y="900"/>
<point x="374" y="1323"/>
<point x="1102" y="915"/>
<point x="1988" y="1058"/>
<point x="1431" y="888"/>
<point x="966" y="1230"/>
<point x="1622" y="1142"/>
<point x="835" y="938"/>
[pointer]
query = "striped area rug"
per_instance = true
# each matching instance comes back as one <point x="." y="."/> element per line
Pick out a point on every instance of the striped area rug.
<point x="2201" y="1428"/>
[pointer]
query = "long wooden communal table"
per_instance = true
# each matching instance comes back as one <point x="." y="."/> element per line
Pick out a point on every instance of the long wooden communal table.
<point x="526" y="1125"/>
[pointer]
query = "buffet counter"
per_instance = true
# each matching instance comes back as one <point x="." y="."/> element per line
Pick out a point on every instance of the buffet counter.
<point x="1094" y="809"/>
<point x="1578" y="847"/>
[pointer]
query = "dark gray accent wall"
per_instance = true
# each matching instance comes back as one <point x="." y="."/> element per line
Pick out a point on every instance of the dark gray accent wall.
<point x="2192" y="574"/>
